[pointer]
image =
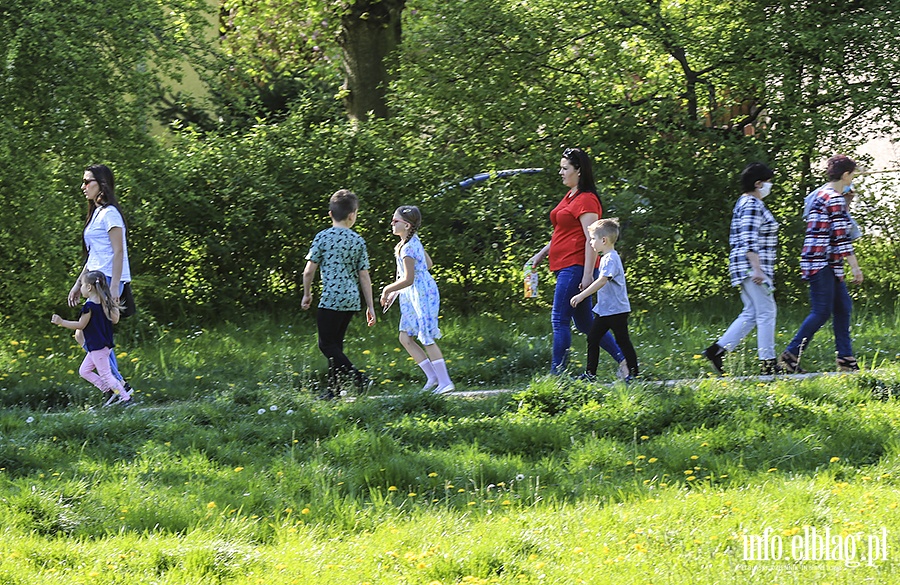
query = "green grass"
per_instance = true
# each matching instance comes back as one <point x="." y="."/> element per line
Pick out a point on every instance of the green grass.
<point x="554" y="481"/>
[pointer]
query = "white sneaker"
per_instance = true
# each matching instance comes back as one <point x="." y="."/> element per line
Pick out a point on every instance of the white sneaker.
<point x="118" y="398"/>
<point x="623" y="371"/>
<point x="429" y="385"/>
<point x="445" y="389"/>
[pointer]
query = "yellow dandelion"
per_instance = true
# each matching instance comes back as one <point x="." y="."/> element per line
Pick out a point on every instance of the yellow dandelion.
<point x="366" y="352"/>
<point x="432" y="474"/>
<point x="238" y="469"/>
<point x="652" y="460"/>
<point x="694" y="457"/>
<point x="305" y="511"/>
<point x="772" y="470"/>
<point x="211" y="505"/>
<point x="393" y="488"/>
<point x="834" y="459"/>
<point x="412" y="494"/>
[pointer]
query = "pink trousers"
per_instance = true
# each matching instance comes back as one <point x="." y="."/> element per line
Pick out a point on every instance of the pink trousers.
<point x="102" y="378"/>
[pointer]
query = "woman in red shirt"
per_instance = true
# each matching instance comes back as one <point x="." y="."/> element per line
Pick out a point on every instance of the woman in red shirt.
<point x="572" y="259"/>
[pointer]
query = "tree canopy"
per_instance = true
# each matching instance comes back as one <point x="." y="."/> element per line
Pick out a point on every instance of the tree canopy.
<point x="671" y="100"/>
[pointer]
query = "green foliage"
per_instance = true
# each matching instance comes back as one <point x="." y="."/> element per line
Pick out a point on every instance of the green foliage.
<point x="78" y="87"/>
<point x="670" y="99"/>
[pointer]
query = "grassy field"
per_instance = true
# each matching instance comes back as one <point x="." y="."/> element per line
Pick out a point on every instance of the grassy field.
<point x="228" y="471"/>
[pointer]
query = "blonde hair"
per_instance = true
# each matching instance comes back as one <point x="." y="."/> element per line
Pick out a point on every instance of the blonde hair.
<point x="606" y="228"/>
<point x="97" y="279"/>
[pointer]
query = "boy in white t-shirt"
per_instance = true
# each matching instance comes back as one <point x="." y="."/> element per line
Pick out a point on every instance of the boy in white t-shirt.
<point x="612" y="308"/>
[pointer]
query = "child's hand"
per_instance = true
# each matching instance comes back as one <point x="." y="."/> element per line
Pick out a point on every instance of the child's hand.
<point x="370" y="317"/>
<point x="576" y="300"/>
<point x="305" y="302"/>
<point x="55" y="319"/>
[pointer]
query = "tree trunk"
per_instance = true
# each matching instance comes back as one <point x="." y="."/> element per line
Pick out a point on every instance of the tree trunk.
<point x="370" y="32"/>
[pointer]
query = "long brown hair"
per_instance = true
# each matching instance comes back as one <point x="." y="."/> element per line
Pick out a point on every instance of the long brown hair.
<point x="97" y="279"/>
<point x="107" y="184"/>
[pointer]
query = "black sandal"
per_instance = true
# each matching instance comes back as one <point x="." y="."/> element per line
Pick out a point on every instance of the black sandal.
<point x="847" y="364"/>
<point x="791" y="363"/>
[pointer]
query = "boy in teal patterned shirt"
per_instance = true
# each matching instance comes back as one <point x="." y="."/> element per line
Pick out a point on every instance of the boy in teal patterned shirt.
<point x="342" y="254"/>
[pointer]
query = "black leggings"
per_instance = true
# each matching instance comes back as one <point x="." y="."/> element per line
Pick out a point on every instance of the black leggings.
<point x="619" y="326"/>
<point x="332" y="327"/>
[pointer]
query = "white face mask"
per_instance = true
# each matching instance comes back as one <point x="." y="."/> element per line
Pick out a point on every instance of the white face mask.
<point x="765" y="190"/>
<point x="848" y="188"/>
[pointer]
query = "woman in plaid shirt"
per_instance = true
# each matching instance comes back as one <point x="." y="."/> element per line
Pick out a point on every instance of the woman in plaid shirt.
<point x="751" y="265"/>
<point x="826" y="246"/>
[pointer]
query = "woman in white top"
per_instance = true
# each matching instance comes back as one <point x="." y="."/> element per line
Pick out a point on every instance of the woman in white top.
<point x="103" y="241"/>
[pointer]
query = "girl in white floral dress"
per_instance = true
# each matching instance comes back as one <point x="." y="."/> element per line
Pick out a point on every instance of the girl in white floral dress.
<point x="419" y="300"/>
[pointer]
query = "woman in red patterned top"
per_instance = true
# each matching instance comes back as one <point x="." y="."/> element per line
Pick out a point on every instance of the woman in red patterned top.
<point x="826" y="247"/>
<point x="572" y="259"/>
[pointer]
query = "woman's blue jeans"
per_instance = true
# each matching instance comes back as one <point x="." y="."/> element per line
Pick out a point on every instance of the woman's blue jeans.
<point x="828" y="297"/>
<point x="567" y="286"/>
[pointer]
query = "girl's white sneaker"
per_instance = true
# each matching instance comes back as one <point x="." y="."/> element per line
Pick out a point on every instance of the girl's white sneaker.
<point x="444" y="389"/>
<point x="429" y="385"/>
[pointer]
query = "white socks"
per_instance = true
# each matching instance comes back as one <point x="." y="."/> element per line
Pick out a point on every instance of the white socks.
<point x="431" y="376"/>
<point x="443" y="377"/>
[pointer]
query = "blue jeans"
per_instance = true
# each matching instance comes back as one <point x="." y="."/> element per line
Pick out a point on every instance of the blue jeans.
<point x="567" y="283"/>
<point x="828" y="297"/>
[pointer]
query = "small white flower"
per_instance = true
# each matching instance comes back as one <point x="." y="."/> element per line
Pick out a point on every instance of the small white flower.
<point x="273" y="408"/>
<point x="261" y="411"/>
<point x="520" y="477"/>
<point x="30" y="419"/>
<point x="290" y="411"/>
<point x="343" y="392"/>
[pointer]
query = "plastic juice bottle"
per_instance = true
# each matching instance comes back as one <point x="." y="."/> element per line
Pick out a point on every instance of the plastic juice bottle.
<point x="531" y="282"/>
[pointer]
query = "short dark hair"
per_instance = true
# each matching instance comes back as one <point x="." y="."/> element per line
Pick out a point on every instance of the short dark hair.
<point x="755" y="172"/>
<point x="838" y="165"/>
<point x="342" y="204"/>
